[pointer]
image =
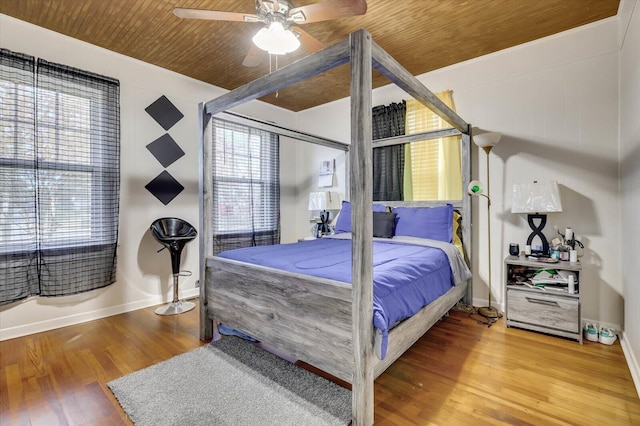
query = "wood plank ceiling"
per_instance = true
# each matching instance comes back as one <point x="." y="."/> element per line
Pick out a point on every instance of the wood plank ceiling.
<point x="423" y="35"/>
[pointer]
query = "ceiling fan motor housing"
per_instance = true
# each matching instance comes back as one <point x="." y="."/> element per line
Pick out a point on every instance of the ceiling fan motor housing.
<point x="276" y="11"/>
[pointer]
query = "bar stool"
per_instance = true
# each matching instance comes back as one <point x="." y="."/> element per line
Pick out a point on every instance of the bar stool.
<point x="174" y="234"/>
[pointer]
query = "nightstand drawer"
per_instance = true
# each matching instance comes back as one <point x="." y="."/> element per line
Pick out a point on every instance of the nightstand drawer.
<point x="545" y="310"/>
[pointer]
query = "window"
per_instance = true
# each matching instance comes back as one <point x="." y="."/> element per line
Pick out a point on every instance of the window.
<point x="59" y="178"/>
<point x="433" y="167"/>
<point x="422" y="170"/>
<point x="246" y="186"/>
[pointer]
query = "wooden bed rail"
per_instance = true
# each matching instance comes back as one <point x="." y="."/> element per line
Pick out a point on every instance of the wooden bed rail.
<point x="308" y="317"/>
<point x="305" y="316"/>
<point x="309" y="66"/>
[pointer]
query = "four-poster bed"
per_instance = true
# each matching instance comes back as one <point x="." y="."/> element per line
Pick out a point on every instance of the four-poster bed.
<point x="325" y="322"/>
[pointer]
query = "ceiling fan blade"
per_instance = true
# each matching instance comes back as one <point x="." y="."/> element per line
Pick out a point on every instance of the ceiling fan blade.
<point x="330" y="9"/>
<point x="214" y="15"/>
<point x="254" y="56"/>
<point x="307" y="41"/>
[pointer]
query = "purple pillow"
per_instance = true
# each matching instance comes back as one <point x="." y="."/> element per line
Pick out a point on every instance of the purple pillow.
<point x="343" y="224"/>
<point x="434" y="223"/>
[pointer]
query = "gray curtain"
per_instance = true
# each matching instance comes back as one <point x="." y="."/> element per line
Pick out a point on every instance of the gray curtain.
<point x="59" y="178"/>
<point x="388" y="161"/>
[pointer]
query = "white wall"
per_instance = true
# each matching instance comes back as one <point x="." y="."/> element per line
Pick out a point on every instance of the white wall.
<point x="144" y="276"/>
<point x="629" y="89"/>
<point x="555" y="101"/>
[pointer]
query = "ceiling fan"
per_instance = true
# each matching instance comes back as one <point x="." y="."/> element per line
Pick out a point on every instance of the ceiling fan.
<point x="281" y="34"/>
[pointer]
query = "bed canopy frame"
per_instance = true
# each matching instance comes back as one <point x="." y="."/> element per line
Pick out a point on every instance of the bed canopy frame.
<point x="361" y="365"/>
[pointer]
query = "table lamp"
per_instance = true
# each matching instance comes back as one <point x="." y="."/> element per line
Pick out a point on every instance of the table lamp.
<point x="323" y="201"/>
<point x="536" y="199"/>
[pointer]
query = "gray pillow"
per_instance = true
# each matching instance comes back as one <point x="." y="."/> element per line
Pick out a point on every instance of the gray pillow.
<point x="384" y="224"/>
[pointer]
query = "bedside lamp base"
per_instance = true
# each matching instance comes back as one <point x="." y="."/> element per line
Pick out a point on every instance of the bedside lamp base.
<point x="537" y="232"/>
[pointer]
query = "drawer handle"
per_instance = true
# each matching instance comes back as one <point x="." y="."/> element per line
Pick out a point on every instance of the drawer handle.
<point x="543" y="302"/>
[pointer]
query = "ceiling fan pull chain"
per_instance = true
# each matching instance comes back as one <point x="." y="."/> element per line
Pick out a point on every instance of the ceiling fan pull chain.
<point x="276" y="70"/>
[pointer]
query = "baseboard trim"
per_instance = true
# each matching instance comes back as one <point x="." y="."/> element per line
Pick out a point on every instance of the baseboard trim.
<point x="632" y="362"/>
<point x="38" y="327"/>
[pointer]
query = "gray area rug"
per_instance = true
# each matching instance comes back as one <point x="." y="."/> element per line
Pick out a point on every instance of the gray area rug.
<point x="230" y="382"/>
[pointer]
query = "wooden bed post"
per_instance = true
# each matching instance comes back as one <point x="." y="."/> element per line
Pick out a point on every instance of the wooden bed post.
<point x="205" y="232"/>
<point x="361" y="194"/>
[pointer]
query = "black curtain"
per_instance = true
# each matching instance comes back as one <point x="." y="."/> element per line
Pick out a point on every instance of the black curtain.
<point x="79" y="185"/>
<point x="388" y="161"/>
<point x="18" y="243"/>
<point x="59" y="178"/>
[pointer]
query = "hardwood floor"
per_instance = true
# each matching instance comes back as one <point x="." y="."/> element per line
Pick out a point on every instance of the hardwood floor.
<point x="459" y="373"/>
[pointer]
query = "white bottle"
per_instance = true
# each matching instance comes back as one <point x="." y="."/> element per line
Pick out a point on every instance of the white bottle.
<point x="572" y="284"/>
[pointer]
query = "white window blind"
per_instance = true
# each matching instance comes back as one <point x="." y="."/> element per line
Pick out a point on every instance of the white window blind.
<point x="246" y="186"/>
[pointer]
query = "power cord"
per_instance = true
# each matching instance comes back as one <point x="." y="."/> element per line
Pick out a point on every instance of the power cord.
<point x="483" y="320"/>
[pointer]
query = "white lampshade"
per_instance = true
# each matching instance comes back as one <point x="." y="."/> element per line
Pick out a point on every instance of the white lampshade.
<point x="536" y="197"/>
<point x="324" y="200"/>
<point x="487" y="139"/>
<point x="276" y="39"/>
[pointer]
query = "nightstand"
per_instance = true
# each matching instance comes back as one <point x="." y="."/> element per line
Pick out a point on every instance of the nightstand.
<point x="551" y="310"/>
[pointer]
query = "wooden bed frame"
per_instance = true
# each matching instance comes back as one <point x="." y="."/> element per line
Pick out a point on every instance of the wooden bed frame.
<point x="326" y="323"/>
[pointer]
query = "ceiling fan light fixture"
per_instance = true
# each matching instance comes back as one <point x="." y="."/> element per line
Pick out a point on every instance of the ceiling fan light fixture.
<point x="276" y="39"/>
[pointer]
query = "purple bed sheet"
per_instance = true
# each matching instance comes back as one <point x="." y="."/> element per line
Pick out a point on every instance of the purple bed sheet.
<point x="406" y="277"/>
